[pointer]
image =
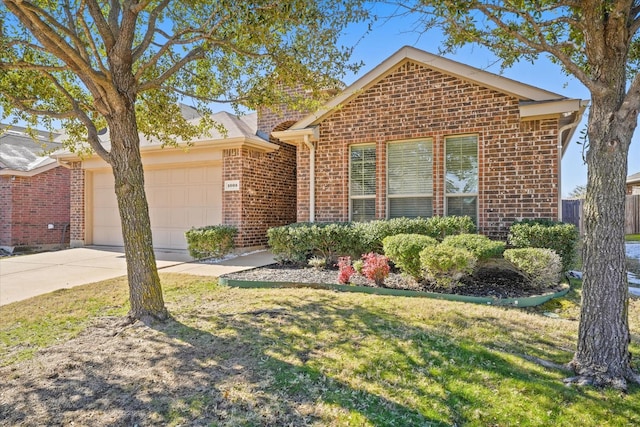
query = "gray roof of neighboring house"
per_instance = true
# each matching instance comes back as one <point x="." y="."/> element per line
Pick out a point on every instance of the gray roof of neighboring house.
<point x="19" y="151"/>
<point x="632" y="179"/>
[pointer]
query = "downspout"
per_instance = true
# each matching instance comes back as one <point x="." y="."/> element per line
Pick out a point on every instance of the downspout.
<point x="312" y="178"/>
<point x="560" y="153"/>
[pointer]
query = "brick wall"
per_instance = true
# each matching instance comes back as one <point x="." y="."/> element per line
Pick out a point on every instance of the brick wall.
<point x="267" y="196"/>
<point x="36" y="202"/>
<point x="77" y="214"/>
<point x="518" y="161"/>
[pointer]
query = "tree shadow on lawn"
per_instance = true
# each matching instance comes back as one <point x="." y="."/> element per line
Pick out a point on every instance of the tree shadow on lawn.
<point x="292" y="363"/>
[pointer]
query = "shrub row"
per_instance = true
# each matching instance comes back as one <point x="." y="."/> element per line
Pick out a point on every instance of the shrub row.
<point x="295" y="243"/>
<point x="447" y="262"/>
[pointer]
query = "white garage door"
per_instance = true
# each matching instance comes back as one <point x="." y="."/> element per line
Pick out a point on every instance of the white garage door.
<point x="178" y="198"/>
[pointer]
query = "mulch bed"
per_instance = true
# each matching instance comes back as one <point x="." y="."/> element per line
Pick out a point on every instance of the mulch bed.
<point x="487" y="281"/>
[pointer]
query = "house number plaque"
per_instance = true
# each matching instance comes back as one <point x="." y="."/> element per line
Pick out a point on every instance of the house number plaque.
<point x="232" y="185"/>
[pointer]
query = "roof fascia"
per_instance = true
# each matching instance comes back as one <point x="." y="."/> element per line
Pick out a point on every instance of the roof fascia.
<point x="32" y="172"/>
<point x="254" y="143"/>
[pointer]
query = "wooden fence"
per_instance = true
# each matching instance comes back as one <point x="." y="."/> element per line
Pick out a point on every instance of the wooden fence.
<point x="572" y="213"/>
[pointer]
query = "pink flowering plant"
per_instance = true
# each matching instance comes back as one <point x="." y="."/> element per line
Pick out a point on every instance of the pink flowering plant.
<point x="375" y="268"/>
<point x="345" y="270"/>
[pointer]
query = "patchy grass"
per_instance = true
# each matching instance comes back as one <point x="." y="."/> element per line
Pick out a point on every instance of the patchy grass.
<point x="300" y="357"/>
<point x="632" y="237"/>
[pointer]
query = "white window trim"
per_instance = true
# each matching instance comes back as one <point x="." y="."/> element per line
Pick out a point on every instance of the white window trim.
<point x="368" y="144"/>
<point x="413" y="195"/>
<point x="444" y="168"/>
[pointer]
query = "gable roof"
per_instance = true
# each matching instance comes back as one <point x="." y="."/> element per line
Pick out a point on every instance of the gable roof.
<point x="21" y="155"/>
<point x="632" y="179"/>
<point x="533" y="100"/>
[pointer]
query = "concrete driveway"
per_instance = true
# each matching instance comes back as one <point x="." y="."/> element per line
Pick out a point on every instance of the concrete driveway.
<point x="25" y="276"/>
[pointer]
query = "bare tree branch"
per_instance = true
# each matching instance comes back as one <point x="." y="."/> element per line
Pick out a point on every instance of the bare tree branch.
<point x="151" y="27"/>
<point x="103" y="27"/>
<point x="195" y="54"/>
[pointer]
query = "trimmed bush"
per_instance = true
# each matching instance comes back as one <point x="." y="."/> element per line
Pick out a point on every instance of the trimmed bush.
<point x="290" y="243"/>
<point x="211" y="241"/>
<point x="543" y="267"/>
<point x="295" y="243"/>
<point x="541" y="233"/>
<point x="480" y="246"/>
<point x="374" y="232"/>
<point x="331" y="240"/>
<point x="404" y="250"/>
<point x="440" y="227"/>
<point x="445" y="265"/>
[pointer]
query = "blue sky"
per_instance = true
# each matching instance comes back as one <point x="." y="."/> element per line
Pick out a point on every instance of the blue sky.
<point x="389" y="35"/>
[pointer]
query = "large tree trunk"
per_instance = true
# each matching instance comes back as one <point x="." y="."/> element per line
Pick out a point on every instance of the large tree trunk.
<point x="602" y="357"/>
<point x="145" y="292"/>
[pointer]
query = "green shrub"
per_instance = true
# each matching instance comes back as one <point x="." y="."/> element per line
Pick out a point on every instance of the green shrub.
<point x="543" y="267"/>
<point x="542" y="233"/>
<point x="290" y="243"/>
<point x="440" y="227"/>
<point x="480" y="246"/>
<point x="374" y="232"/>
<point x="404" y="250"/>
<point x="295" y="243"/>
<point x="210" y="241"/>
<point x="332" y="240"/>
<point x="445" y="265"/>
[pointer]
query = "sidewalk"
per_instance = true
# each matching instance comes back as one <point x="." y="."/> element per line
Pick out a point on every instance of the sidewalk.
<point x="25" y="276"/>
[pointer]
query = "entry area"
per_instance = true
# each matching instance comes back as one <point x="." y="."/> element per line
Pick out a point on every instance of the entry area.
<point x="179" y="198"/>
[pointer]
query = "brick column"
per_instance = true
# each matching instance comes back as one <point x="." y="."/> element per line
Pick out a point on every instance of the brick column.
<point x="77" y="214"/>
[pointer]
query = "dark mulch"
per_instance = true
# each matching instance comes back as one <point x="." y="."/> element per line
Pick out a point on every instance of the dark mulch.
<point x="492" y="280"/>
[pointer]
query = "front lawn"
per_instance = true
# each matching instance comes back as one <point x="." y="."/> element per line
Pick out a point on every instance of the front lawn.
<point x="256" y="357"/>
<point x="632" y="237"/>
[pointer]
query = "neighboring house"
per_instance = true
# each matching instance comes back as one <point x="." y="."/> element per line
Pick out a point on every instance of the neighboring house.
<point x="241" y="179"/>
<point x="633" y="184"/>
<point x="34" y="192"/>
<point x="421" y="135"/>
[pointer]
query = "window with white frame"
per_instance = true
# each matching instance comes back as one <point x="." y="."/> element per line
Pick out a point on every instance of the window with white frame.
<point x="461" y="176"/>
<point x="410" y="179"/>
<point x="362" y="182"/>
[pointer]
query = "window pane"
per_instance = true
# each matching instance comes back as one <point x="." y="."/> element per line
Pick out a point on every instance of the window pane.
<point x="411" y="207"/>
<point x="363" y="171"/>
<point x="410" y="167"/>
<point x="461" y="206"/>
<point x="462" y="165"/>
<point x="363" y="209"/>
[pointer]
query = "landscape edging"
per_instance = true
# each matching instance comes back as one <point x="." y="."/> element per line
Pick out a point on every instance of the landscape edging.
<point x="510" y="302"/>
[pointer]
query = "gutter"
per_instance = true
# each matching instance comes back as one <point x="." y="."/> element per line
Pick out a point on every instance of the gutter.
<point x="571" y="127"/>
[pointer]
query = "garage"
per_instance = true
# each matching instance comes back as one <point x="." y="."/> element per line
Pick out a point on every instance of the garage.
<point x="179" y="198"/>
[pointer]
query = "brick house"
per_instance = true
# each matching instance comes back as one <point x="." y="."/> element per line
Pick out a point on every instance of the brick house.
<point x="421" y="135"/>
<point x="633" y="184"/>
<point x="34" y="193"/>
<point x="417" y="135"/>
